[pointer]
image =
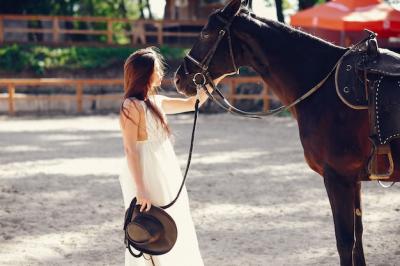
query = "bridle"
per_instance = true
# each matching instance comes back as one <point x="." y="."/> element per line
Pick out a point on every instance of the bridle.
<point x="204" y="64"/>
<point x="203" y="77"/>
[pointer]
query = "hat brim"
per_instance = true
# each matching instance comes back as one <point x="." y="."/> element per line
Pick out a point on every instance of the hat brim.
<point x="168" y="236"/>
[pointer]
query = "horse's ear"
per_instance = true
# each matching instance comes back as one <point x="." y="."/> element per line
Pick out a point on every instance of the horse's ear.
<point x="232" y="8"/>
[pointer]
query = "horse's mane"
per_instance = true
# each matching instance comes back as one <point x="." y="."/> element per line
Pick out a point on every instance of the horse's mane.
<point x="297" y="34"/>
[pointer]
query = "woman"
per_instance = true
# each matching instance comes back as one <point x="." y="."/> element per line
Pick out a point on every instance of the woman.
<point x="152" y="171"/>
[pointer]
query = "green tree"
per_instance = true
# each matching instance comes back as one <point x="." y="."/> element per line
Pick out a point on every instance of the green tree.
<point x="279" y="10"/>
<point x="142" y="6"/>
<point x="103" y="8"/>
<point x="107" y="8"/>
<point x="303" y="4"/>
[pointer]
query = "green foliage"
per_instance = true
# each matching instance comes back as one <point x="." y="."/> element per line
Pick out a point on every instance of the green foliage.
<point x="40" y="59"/>
<point x="286" y="4"/>
<point x="173" y="53"/>
<point x="304" y="4"/>
<point x="107" y="8"/>
<point x="12" y="58"/>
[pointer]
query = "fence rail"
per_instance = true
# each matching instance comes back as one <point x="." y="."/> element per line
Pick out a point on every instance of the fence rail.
<point x="62" y="27"/>
<point x="12" y="84"/>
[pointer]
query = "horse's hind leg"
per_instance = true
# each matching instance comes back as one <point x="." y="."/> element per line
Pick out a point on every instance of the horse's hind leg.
<point x="358" y="253"/>
<point x="342" y="198"/>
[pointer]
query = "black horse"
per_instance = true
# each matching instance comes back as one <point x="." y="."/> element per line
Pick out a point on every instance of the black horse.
<point x="334" y="136"/>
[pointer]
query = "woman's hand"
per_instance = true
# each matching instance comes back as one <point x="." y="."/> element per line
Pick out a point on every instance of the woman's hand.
<point x="143" y="200"/>
<point x="172" y="105"/>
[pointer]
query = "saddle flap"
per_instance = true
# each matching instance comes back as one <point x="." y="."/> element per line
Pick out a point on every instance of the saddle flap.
<point x="349" y="81"/>
<point x="368" y="77"/>
<point x="385" y="63"/>
<point x="387" y="108"/>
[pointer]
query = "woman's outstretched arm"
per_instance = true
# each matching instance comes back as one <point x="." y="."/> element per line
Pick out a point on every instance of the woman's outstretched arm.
<point x="180" y="105"/>
<point x="172" y="105"/>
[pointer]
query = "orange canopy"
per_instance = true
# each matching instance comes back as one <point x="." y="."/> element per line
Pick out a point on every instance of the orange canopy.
<point x="351" y="15"/>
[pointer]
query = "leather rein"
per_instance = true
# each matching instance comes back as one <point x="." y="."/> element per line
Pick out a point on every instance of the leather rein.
<point x="203" y="77"/>
<point x="206" y="79"/>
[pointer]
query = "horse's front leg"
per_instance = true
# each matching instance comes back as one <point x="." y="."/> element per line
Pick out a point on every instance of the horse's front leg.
<point x="342" y="198"/>
<point x="358" y="253"/>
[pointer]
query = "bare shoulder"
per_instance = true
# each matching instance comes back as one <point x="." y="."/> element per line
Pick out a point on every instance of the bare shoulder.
<point x="132" y="105"/>
<point x="131" y="108"/>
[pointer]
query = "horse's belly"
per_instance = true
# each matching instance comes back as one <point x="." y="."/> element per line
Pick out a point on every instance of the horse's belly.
<point x="349" y="160"/>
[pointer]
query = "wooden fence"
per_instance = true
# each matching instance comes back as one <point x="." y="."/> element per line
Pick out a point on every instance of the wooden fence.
<point x="12" y="84"/>
<point x="60" y="29"/>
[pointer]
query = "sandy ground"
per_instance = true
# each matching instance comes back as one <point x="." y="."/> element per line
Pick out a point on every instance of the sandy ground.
<point x="254" y="200"/>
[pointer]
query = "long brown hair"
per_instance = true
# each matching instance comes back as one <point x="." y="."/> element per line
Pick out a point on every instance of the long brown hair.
<point x="138" y="71"/>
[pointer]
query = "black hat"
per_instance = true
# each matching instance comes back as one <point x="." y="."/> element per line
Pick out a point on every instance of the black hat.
<point x="153" y="232"/>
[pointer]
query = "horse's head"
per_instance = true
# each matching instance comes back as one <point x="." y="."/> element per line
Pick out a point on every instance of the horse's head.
<point x="212" y="55"/>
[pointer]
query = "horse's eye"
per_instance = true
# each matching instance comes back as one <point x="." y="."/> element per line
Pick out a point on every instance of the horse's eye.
<point x="204" y="35"/>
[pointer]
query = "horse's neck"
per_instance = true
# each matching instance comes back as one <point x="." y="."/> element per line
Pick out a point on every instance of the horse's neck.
<point x="290" y="61"/>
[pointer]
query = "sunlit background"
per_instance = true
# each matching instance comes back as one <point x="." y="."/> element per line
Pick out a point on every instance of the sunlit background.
<point x="61" y="83"/>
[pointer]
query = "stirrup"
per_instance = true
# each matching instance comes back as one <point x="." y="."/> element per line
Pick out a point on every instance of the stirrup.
<point x="373" y="162"/>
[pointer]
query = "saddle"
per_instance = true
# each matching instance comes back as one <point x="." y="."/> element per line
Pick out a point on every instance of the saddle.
<point x="368" y="77"/>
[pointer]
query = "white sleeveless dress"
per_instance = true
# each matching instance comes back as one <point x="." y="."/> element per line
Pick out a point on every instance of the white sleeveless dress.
<point x="162" y="178"/>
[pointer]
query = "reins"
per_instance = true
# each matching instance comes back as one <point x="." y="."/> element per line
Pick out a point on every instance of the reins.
<point x="205" y="77"/>
<point x="196" y="113"/>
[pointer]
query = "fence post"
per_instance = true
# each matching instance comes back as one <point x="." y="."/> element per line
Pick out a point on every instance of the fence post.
<point x="1" y="29"/>
<point x="265" y="97"/>
<point x="11" y="95"/>
<point x="109" y="31"/>
<point x="160" y="33"/>
<point x="56" y="30"/>
<point x="79" y="100"/>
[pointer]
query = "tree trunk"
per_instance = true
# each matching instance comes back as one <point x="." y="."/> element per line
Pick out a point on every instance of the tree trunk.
<point x="167" y="9"/>
<point x="304" y="4"/>
<point x="141" y="9"/>
<point x="122" y="9"/>
<point x="279" y="11"/>
<point x="149" y="9"/>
